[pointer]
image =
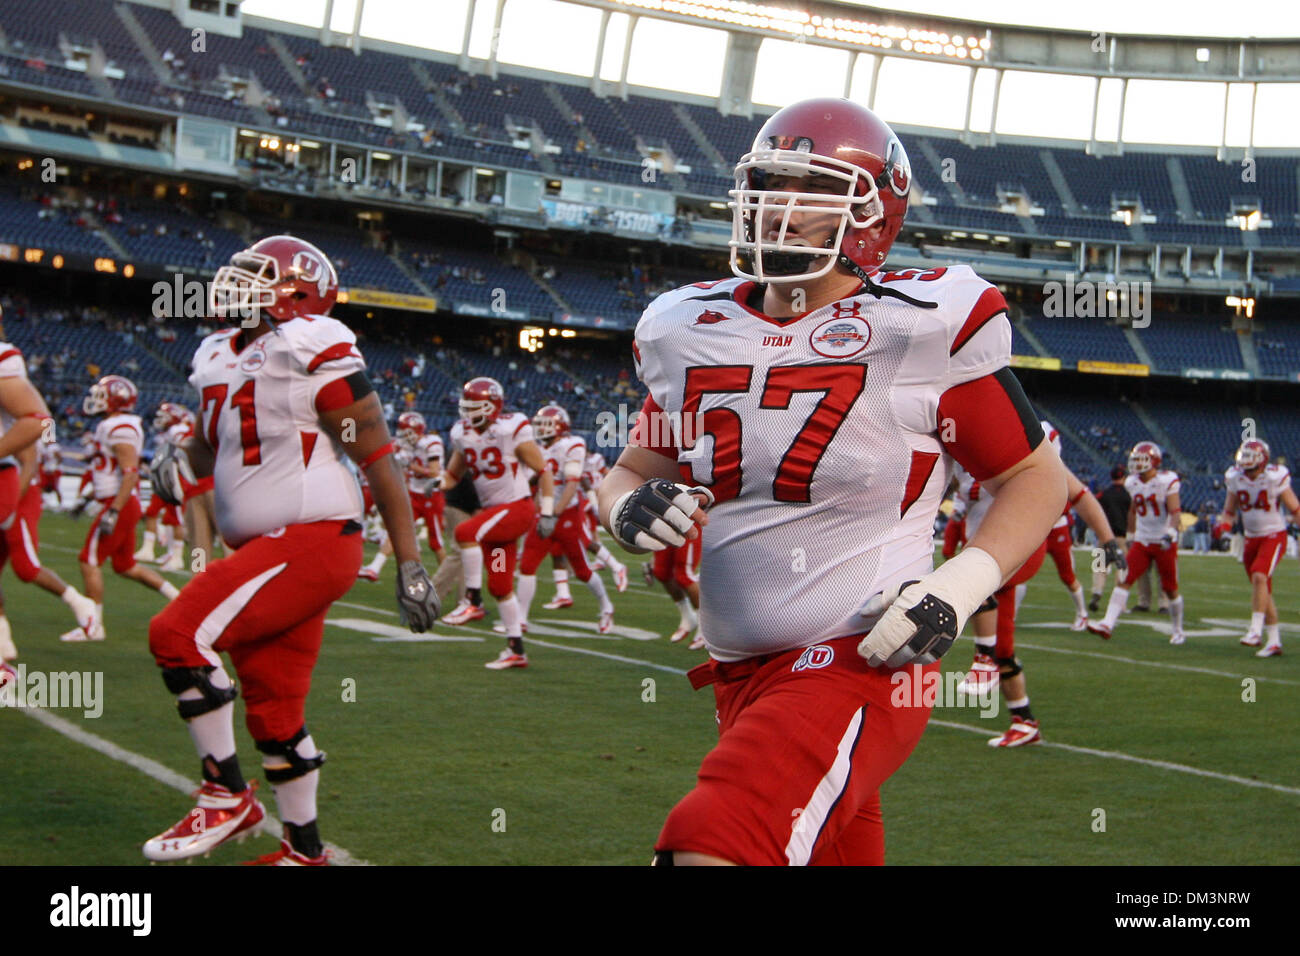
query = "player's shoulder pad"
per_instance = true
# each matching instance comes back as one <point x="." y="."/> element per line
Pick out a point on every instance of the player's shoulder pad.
<point x="1278" y="472"/>
<point x="318" y="339"/>
<point x="1169" y="477"/>
<point x="1132" y="482"/>
<point x="511" y="423"/>
<point x="1233" y="473"/>
<point x="964" y="301"/>
<point x="684" y="304"/>
<point x="457" y="431"/>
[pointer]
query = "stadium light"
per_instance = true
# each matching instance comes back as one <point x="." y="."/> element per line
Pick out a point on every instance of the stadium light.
<point x="794" y="24"/>
<point x="1240" y="304"/>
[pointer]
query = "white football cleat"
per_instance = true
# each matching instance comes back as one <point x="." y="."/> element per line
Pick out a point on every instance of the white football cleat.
<point x="557" y="602"/>
<point x="1270" y="650"/>
<point x="368" y="574"/>
<point x="87" y="614"/>
<point x="464" y="613"/>
<point x="219" y="816"/>
<point x="507" y="659"/>
<point x="606" y="622"/>
<point x="174" y="562"/>
<point x="1080" y="623"/>
<point x="982" y="679"/>
<point x="146" y="555"/>
<point x="78" y="634"/>
<point x="620" y="578"/>
<point x="1253" y="639"/>
<point x="1178" y="637"/>
<point x="698" y="643"/>
<point x="1022" y="733"/>
<point x="681" y="632"/>
<point x="1100" y="628"/>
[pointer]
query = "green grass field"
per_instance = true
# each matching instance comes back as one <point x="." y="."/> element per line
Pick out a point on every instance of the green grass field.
<point x="580" y="769"/>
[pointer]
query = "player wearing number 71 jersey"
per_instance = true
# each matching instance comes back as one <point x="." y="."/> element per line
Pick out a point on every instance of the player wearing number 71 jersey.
<point x="1153" y="526"/>
<point x="814" y="405"/>
<point x="285" y="402"/>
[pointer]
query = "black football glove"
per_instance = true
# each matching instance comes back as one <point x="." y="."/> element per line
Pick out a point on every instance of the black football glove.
<point x="545" y="526"/>
<point x="416" y="599"/>
<point x="108" y="522"/>
<point x="1114" y="556"/>
<point x="656" y="515"/>
<point x="169" y="467"/>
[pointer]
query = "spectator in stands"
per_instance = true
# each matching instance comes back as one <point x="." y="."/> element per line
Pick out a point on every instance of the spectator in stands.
<point x="1201" y="533"/>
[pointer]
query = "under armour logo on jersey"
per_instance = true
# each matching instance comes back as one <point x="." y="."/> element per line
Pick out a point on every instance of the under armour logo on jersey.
<point x="709" y="317"/>
<point x="843" y="310"/>
<point x="819" y="655"/>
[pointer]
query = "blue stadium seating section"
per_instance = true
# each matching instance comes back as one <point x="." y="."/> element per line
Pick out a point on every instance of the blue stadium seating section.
<point x="610" y="129"/>
<point x="1074" y="338"/>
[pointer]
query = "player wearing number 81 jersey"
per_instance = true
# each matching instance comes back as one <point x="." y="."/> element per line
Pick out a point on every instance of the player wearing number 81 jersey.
<point x="1154" y="529"/>
<point x="1258" y="491"/>
<point x="816" y="404"/>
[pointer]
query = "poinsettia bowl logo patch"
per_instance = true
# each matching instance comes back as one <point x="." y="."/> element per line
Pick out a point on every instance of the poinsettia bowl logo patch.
<point x="254" y="360"/>
<point x="840" y="337"/>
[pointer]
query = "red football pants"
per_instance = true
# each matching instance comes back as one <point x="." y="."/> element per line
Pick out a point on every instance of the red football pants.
<point x="497" y="530"/>
<point x="265" y="605"/>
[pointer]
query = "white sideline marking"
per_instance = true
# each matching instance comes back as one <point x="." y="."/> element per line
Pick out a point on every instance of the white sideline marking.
<point x="1161" y="664"/>
<point x="164" y="775"/>
<point x="391" y="632"/>
<point x="1117" y="755"/>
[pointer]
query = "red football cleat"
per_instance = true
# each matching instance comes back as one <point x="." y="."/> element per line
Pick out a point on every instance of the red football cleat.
<point x="464" y="613"/>
<point x="288" y="856"/>
<point x="368" y="574"/>
<point x="1100" y="628"/>
<point x="1021" y="734"/>
<point x="219" y="816"/>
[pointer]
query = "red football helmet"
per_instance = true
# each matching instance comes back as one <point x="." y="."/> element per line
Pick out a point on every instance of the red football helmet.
<point x="845" y="144"/>
<point x="281" y="277"/>
<point x="481" y="402"/>
<point x="411" y="427"/>
<point x="1145" y="456"/>
<point x="1252" y="454"/>
<point x="112" y="394"/>
<point x="550" y="423"/>
<point x="169" y="414"/>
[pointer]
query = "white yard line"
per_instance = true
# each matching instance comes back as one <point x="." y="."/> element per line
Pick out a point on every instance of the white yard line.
<point x="156" y="771"/>
<point x="1161" y="664"/>
<point x="1117" y="755"/>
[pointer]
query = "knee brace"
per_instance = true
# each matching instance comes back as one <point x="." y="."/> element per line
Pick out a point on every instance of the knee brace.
<point x="181" y="679"/>
<point x="1009" y="667"/>
<point x="991" y="604"/>
<point x="298" y="765"/>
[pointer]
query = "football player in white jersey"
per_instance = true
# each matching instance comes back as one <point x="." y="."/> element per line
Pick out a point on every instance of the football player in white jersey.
<point x="285" y="402"/>
<point x="421" y="455"/>
<point x="495" y="448"/>
<point x="1154" y="529"/>
<point x="115" y="477"/>
<point x="593" y="470"/>
<point x="565" y="455"/>
<point x="175" y="424"/>
<point x="25" y="422"/>
<point x="1258" y="491"/>
<point x="814" y="405"/>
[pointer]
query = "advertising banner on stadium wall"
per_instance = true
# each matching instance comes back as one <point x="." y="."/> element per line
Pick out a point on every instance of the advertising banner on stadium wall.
<point x="1112" y="368"/>
<point x="472" y="308"/>
<point x="579" y="215"/>
<point x="1229" y="374"/>
<point x="388" y="300"/>
<point x="592" y="321"/>
<point x="1048" y="362"/>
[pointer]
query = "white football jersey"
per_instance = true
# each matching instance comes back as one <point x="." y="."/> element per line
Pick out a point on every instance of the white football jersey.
<point x="1151" y="501"/>
<point x="566" y="450"/>
<point x="1257" y="498"/>
<point x="11" y="366"/>
<point x="49" y="456"/>
<point x="819" y="436"/>
<point x="499" y="477"/>
<point x="426" y="452"/>
<point x="971" y="498"/>
<point x="105" y="470"/>
<point x="275" y="464"/>
<point x="1055" y="438"/>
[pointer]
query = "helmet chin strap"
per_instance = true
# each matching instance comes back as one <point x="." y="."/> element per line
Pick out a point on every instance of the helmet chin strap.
<point x="878" y="290"/>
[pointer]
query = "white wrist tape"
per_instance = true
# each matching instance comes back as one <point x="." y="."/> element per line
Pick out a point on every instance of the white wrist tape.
<point x="965" y="581"/>
<point x="548" y="507"/>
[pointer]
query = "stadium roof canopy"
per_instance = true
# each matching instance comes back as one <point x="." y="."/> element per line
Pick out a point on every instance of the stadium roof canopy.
<point x="1192" y="84"/>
